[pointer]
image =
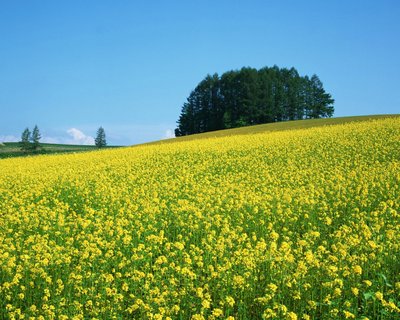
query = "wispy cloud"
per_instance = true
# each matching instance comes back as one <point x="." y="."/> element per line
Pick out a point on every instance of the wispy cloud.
<point x="46" y="139"/>
<point x="122" y="134"/>
<point x="130" y="134"/>
<point x="71" y="136"/>
<point x="169" y="133"/>
<point x="78" y="137"/>
<point x="9" y="138"/>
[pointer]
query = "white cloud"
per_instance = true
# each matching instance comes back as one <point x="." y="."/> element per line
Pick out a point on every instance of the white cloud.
<point x="9" y="138"/>
<point x="71" y="136"/>
<point x="121" y="134"/>
<point x="51" y="140"/>
<point x="78" y="137"/>
<point x="169" y="134"/>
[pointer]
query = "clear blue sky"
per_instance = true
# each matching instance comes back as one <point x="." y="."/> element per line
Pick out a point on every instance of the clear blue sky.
<point x="71" y="66"/>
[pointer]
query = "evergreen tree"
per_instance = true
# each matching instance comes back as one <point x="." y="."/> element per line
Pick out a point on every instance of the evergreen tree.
<point x="25" y="140"/>
<point x="248" y="101"/>
<point x="210" y="103"/>
<point x="186" y="119"/>
<point x="321" y="102"/>
<point x="294" y="108"/>
<point x="229" y="89"/>
<point x="35" y="138"/>
<point x="278" y="94"/>
<point x="265" y="96"/>
<point x="100" y="140"/>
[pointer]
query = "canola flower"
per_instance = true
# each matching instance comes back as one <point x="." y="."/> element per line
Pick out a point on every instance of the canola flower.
<point x="300" y="224"/>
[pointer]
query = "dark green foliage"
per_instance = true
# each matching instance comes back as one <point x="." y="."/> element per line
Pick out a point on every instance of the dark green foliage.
<point x="25" y="140"/>
<point x="100" y="140"/>
<point x="35" y="138"/>
<point x="250" y="96"/>
<point x="30" y="141"/>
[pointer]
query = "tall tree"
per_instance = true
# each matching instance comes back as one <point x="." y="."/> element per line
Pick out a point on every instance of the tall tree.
<point x="229" y="89"/>
<point x="265" y="95"/>
<point x="278" y="94"/>
<point x="100" y="140"/>
<point x="210" y="103"/>
<point x="321" y="102"/>
<point x="186" y="119"/>
<point x="25" y="140"/>
<point x="248" y="100"/>
<point x="294" y="108"/>
<point x="203" y="109"/>
<point x="35" y="138"/>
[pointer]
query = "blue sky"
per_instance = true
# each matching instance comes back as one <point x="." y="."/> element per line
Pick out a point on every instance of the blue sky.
<point x="72" y="66"/>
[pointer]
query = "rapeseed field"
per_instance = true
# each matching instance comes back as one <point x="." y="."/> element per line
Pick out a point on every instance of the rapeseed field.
<point x="299" y="224"/>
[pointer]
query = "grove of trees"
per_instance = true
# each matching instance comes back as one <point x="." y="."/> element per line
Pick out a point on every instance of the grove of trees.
<point x="249" y="96"/>
<point x="30" y="140"/>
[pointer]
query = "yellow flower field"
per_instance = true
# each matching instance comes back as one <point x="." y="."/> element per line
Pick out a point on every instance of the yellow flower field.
<point x="301" y="224"/>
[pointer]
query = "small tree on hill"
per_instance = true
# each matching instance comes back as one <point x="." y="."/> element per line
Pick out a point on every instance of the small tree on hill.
<point x="25" y="140"/>
<point x="100" y="140"/>
<point x="35" y="138"/>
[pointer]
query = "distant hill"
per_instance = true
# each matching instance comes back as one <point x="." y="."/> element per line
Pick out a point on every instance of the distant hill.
<point x="13" y="149"/>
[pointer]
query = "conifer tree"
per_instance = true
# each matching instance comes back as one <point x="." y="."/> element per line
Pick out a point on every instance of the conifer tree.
<point x="100" y="140"/>
<point x="35" y="138"/>
<point x="25" y="140"/>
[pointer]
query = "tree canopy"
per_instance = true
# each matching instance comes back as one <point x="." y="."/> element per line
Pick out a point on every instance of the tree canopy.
<point x="249" y="96"/>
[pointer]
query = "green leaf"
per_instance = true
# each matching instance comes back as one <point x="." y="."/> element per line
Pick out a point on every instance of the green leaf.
<point x="368" y="295"/>
<point x="384" y="279"/>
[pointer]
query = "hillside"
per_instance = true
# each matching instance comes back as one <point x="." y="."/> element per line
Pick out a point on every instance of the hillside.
<point x="282" y="224"/>
<point x="13" y="149"/>
<point x="277" y="126"/>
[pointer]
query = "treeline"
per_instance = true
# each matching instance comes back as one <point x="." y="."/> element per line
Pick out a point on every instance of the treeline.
<point x="249" y="96"/>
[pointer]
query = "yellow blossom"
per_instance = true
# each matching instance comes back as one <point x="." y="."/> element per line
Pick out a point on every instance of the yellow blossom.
<point x="214" y="226"/>
<point x="357" y="270"/>
<point x="355" y="291"/>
